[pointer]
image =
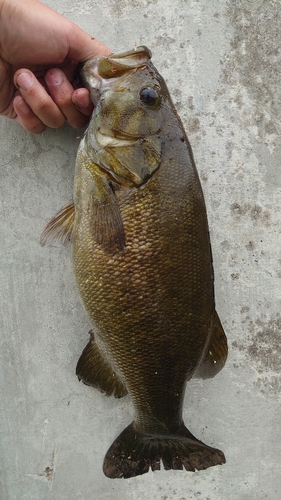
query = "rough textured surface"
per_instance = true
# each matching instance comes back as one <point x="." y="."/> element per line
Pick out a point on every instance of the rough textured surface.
<point x="221" y="61"/>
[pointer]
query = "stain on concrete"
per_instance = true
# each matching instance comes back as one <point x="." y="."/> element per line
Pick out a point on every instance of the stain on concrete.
<point x="49" y="472"/>
<point x="256" y="53"/>
<point x="262" y="350"/>
<point x="193" y="125"/>
<point x="250" y="246"/>
<point x="252" y="4"/>
<point x="255" y="212"/>
<point x="253" y="67"/>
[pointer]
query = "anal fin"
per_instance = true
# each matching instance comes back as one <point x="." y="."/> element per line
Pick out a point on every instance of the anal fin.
<point x="93" y="369"/>
<point x="216" y="352"/>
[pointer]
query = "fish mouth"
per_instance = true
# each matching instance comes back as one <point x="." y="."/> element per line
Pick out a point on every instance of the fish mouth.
<point x="100" y="73"/>
<point x="115" y="65"/>
<point x="92" y="80"/>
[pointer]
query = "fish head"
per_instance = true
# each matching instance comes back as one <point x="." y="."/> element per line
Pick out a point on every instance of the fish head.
<point x="124" y="134"/>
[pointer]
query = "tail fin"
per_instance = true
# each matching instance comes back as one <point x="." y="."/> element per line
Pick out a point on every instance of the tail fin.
<point x="132" y="453"/>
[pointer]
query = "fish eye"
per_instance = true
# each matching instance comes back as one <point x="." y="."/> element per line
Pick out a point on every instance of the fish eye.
<point x="150" y="97"/>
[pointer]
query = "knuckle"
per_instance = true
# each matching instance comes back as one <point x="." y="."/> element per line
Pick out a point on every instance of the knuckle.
<point x="43" y="105"/>
<point x="49" y="113"/>
<point x="55" y="122"/>
<point x="63" y="100"/>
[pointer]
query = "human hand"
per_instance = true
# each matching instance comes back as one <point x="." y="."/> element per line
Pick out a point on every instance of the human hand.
<point x="34" y="39"/>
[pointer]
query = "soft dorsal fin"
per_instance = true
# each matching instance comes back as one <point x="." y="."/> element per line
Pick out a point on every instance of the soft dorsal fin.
<point x="58" y="230"/>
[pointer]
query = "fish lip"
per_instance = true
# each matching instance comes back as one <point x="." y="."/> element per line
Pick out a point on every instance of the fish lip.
<point x="88" y="72"/>
<point x="91" y="78"/>
<point x="97" y="82"/>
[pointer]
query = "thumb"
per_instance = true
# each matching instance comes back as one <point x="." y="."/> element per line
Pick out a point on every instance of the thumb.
<point x="82" y="46"/>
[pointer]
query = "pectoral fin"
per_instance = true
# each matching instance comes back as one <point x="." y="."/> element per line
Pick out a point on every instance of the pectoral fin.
<point x="106" y="221"/>
<point x="58" y="230"/>
<point x="216" y="353"/>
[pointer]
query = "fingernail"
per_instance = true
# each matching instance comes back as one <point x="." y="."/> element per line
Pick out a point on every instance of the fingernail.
<point x="24" y="81"/>
<point x="54" y="77"/>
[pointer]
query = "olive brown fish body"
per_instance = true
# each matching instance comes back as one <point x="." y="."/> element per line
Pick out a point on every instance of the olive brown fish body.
<point x="143" y="264"/>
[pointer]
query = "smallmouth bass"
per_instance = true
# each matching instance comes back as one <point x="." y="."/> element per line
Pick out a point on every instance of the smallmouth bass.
<point x="143" y="264"/>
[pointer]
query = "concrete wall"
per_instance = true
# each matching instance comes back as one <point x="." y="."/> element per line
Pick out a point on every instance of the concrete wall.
<point x="221" y="61"/>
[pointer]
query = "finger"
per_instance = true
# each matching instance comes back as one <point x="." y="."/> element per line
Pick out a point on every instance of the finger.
<point x="61" y="91"/>
<point x="82" y="46"/>
<point x="81" y="99"/>
<point x="25" y="116"/>
<point x="38" y="99"/>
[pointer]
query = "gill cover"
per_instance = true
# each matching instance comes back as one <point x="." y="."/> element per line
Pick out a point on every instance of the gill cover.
<point x="123" y="137"/>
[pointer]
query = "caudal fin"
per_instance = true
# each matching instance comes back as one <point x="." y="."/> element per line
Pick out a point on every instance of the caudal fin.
<point x="132" y="453"/>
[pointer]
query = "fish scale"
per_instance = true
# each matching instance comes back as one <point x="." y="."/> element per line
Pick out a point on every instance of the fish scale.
<point x="143" y="264"/>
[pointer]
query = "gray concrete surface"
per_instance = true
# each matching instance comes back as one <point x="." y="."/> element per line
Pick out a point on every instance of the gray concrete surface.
<point x="221" y="61"/>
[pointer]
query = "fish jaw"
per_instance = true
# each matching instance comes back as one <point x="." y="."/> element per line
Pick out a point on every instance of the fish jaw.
<point x="102" y="72"/>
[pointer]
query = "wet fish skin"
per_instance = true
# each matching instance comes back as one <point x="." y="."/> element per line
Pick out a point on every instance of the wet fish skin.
<point x="143" y="264"/>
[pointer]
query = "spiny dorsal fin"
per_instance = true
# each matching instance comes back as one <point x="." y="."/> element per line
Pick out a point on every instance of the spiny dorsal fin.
<point x="58" y="230"/>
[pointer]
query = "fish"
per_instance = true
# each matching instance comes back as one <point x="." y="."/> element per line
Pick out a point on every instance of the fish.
<point x="143" y="264"/>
